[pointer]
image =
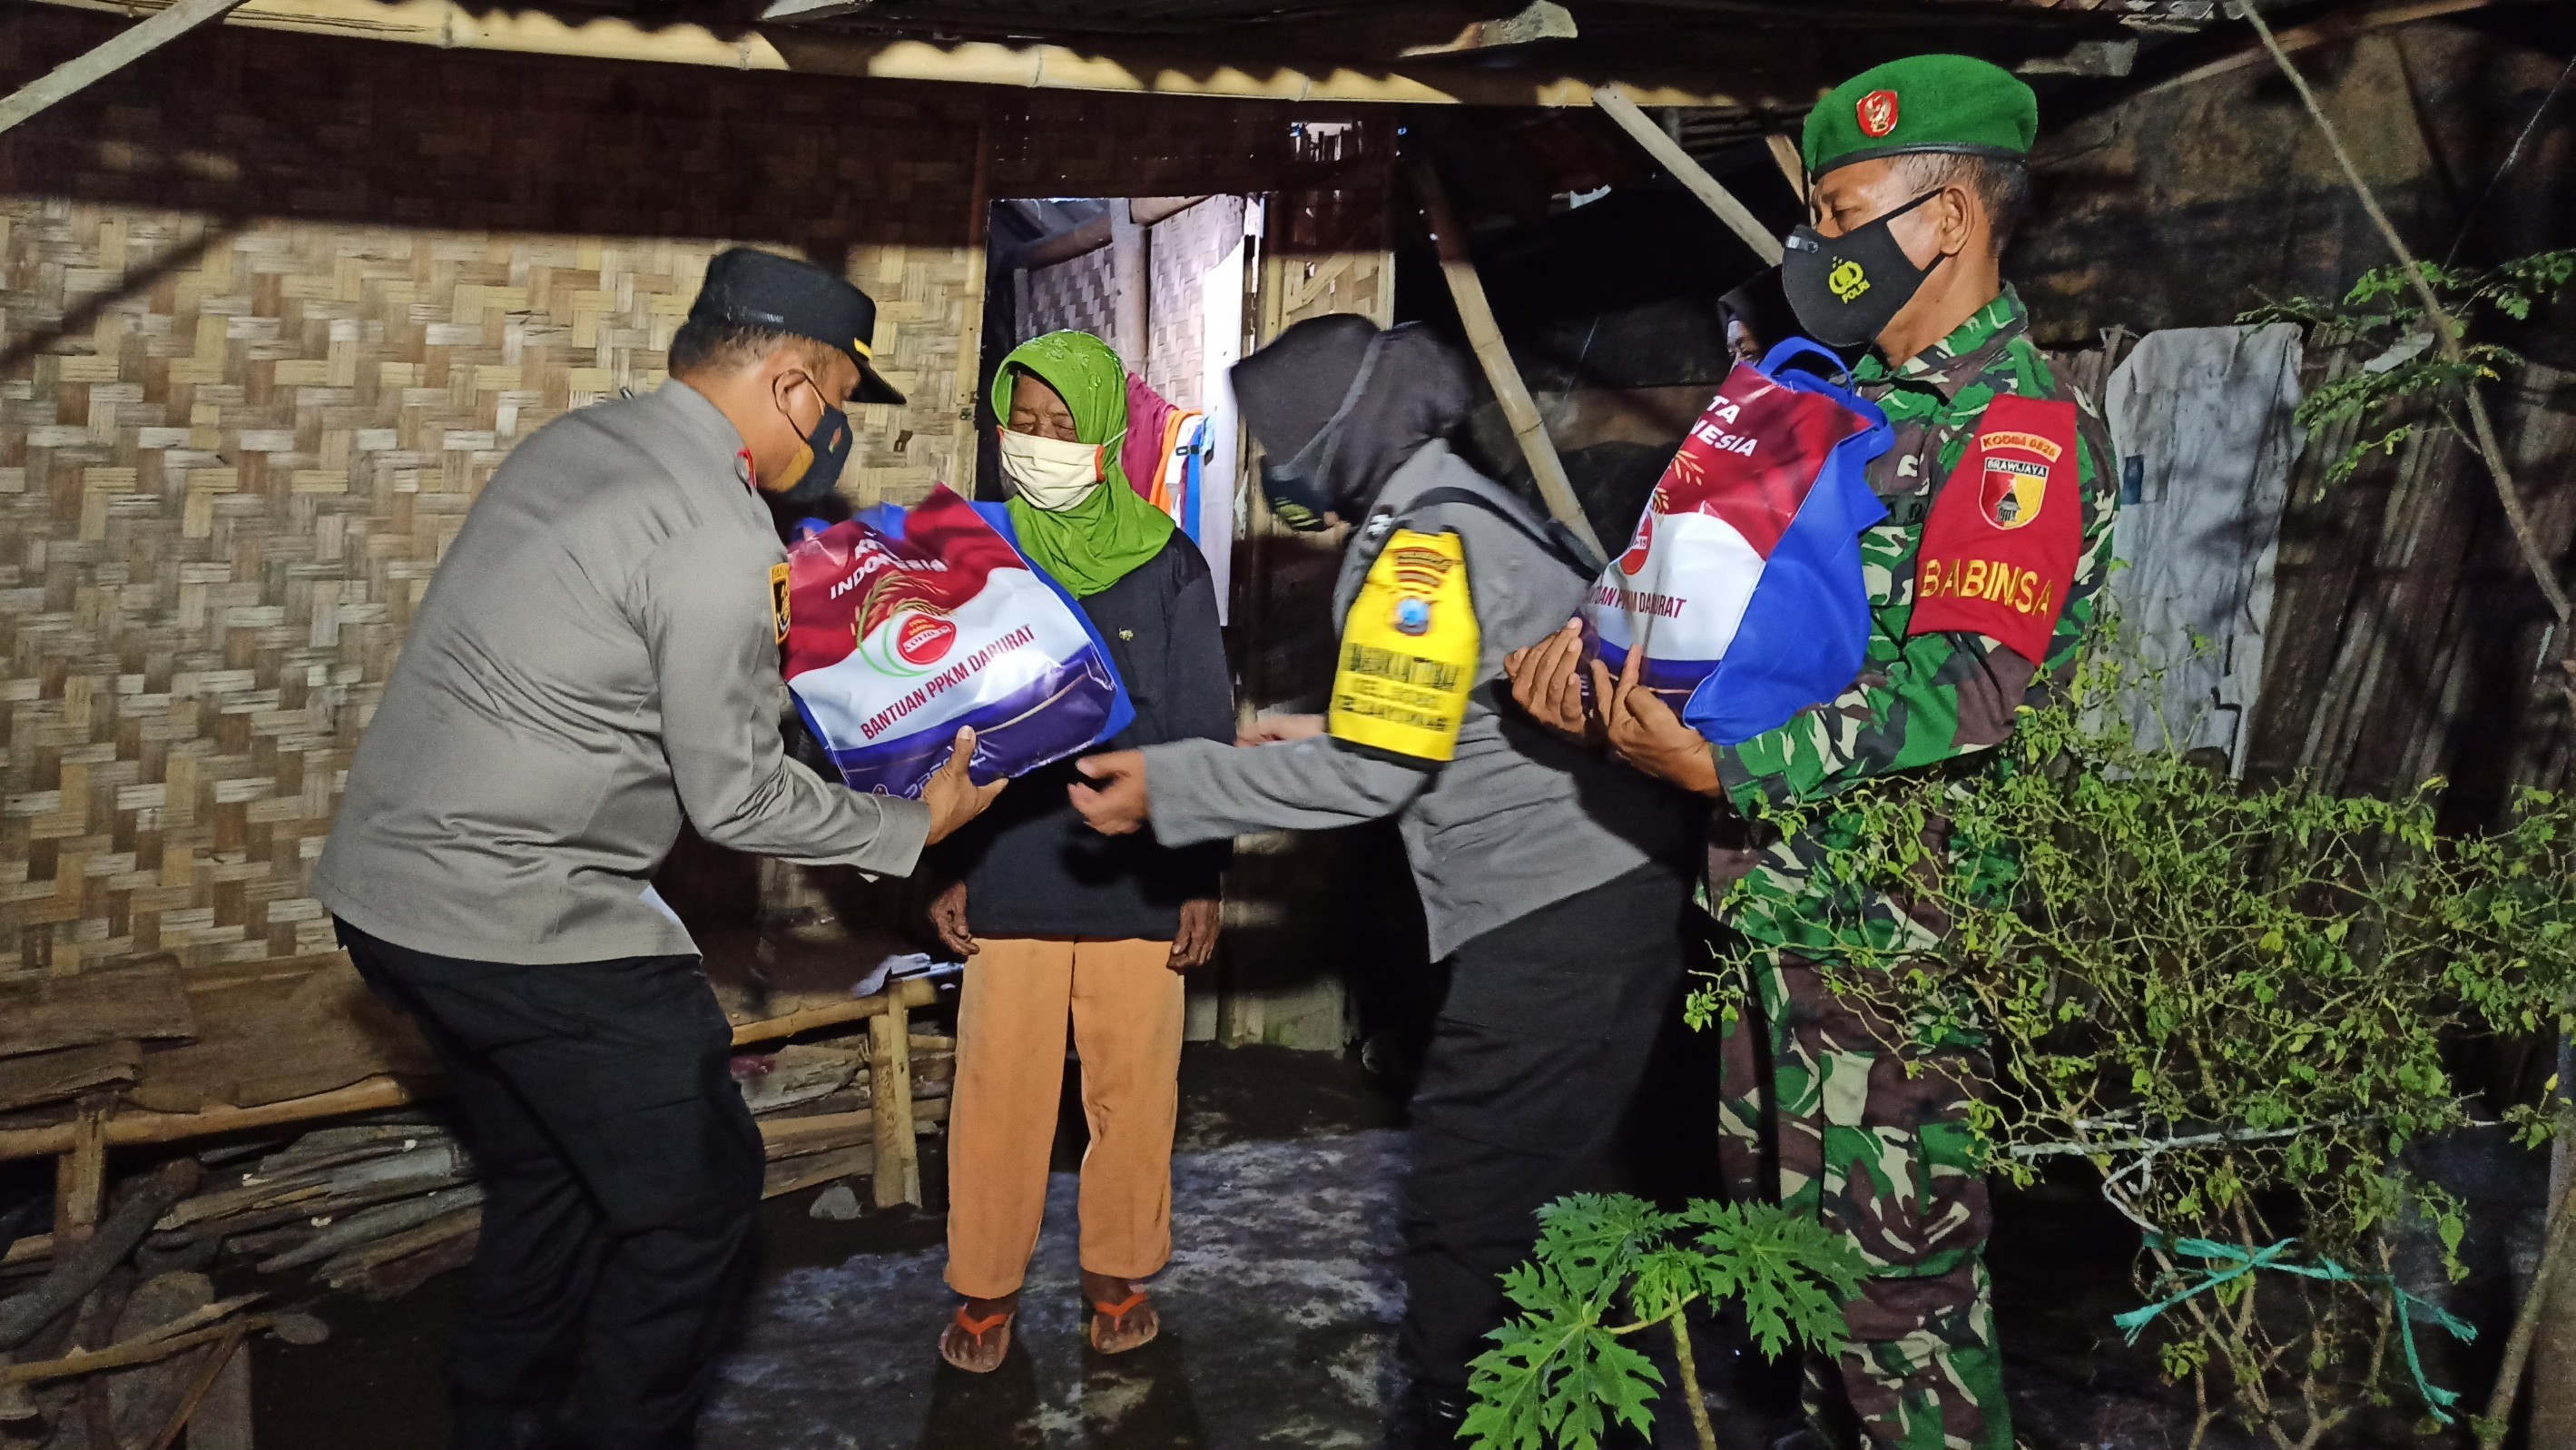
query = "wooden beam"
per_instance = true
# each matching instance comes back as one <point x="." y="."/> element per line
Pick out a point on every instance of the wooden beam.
<point x="1486" y="337"/>
<point x="121" y="50"/>
<point x="2342" y="26"/>
<point x="1792" y="162"/>
<point x="1669" y="154"/>
<point x="1169" y="70"/>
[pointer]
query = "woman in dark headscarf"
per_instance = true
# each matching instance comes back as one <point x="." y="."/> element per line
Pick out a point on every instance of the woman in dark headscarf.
<point x="1339" y="406"/>
<point x="1553" y="883"/>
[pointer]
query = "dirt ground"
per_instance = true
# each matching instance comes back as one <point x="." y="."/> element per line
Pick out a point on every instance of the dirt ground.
<point x="1279" y="1309"/>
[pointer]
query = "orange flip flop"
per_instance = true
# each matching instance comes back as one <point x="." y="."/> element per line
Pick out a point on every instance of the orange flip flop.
<point x="1106" y="1319"/>
<point x="975" y="1330"/>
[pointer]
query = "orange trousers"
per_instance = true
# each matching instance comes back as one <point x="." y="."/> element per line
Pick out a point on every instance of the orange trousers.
<point x="1126" y="1006"/>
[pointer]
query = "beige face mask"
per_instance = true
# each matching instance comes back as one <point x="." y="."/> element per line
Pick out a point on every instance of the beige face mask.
<point x="1050" y="473"/>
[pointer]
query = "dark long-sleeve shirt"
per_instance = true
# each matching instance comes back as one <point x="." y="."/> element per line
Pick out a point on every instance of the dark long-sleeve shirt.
<point x="1032" y="868"/>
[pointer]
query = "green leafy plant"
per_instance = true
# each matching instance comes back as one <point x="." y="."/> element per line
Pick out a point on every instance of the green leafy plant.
<point x="1608" y="1267"/>
<point x="2231" y="1003"/>
<point x="2409" y="383"/>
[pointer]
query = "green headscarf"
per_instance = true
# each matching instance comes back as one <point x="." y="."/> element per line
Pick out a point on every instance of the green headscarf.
<point x="1100" y="540"/>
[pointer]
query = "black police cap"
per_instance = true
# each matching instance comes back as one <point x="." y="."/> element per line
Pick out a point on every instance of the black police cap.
<point x="751" y="288"/>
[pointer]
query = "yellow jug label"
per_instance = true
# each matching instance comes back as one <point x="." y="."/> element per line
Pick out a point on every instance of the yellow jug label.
<point x="1409" y="651"/>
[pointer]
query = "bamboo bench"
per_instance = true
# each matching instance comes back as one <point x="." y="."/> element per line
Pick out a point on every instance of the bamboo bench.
<point x="80" y="1146"/>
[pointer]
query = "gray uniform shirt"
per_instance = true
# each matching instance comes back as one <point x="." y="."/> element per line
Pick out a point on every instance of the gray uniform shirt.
<point x="1519" y="819"/>
<point x="596" y="656"/>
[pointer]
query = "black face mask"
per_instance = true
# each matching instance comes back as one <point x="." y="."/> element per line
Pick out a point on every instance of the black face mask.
<point x="1846" y="289"/>
<point x="1296" y="499"/>
<point x="1299" y="489"/>
<point x="829" y="448"/>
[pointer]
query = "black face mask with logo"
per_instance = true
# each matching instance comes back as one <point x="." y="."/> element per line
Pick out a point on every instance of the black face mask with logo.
<point x="1846" y="289"/>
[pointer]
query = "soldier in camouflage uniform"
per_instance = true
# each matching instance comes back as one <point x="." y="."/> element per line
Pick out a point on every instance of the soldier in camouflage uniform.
<point x="1917" y="170"/>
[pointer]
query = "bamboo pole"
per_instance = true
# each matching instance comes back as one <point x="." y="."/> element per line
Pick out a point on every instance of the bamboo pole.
<point x="116" y="53"/>
<point x="1668" y="153"/>
<point x="911" y="991"/>
<point x="1792" y="163"/>
<point x="898" y="1157"/>
<point x="389" y="1092"/>
<point x="358" y="1097"/>
<point x="1486" y="337"/>
<point x="80" y="1175"/>
<point x="132" y="1352"/>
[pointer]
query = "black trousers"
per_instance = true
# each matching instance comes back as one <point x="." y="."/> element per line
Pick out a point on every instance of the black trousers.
<point x="1539" y="1047"/>
<point x="620" y="1171"/>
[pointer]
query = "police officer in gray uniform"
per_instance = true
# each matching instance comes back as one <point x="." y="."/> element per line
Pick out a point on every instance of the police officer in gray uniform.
<point x="595" y="660"/>
<point x="1554" y="885"/>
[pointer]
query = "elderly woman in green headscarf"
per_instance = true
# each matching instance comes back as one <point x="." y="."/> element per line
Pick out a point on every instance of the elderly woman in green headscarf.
<point x="1067" y="925"/>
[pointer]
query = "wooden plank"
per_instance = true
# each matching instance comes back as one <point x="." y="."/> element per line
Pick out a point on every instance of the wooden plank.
<point x="1668" y="153"/>
<point x="140" y="1400"/>
<point x="109" y="1004"/>
<point x="80" y="1174"/>
<point x="45" y="1077"/>
<point x="223" y="1417"/>
<point x="78" y="1271"/>
<point x="823" y="1132"/>
<point x="791" y="1174"/>
<point x="126" y="47"/>
<point x="1486" y="337"/>
<point x="898" y="1161"/>
<point x="218" y="1362"/>
<point x="342" y="1033"/>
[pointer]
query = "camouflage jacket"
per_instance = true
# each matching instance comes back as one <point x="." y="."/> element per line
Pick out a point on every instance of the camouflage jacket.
<point x="1921" y="702"/>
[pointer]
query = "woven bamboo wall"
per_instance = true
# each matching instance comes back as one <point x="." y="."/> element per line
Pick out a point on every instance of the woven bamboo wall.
<point x="225" y="490"/>
<point x="1185" y="246"/>
<point x="1080" y="295"/>
<point x="274" y="309"/>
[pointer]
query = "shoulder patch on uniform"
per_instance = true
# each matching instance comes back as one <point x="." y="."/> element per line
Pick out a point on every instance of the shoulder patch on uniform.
<point x="1999" y="550"/>
<point x="1409" y="651"/>
<point x="778" y="600"/>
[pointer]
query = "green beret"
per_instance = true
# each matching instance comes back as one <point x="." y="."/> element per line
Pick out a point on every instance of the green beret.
<point x="1922" y="103"/>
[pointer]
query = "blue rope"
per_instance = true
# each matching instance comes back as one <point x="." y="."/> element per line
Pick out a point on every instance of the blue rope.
<point x="2241" y="1262"/>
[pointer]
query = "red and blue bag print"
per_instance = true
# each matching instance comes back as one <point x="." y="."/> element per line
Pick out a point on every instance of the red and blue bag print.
<point x="1742" y="583"/>
<point x="903" y="624"/>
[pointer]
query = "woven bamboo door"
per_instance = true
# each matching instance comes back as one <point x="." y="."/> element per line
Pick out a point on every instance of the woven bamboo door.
<point x="1288" y="926"/>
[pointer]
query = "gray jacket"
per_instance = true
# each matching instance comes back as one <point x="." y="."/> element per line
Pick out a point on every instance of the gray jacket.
<point x="1520" y="819"/>
<point x="596" y="656"/>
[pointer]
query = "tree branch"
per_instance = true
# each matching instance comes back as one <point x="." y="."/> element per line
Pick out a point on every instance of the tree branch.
<point x="2446" y="334"/>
